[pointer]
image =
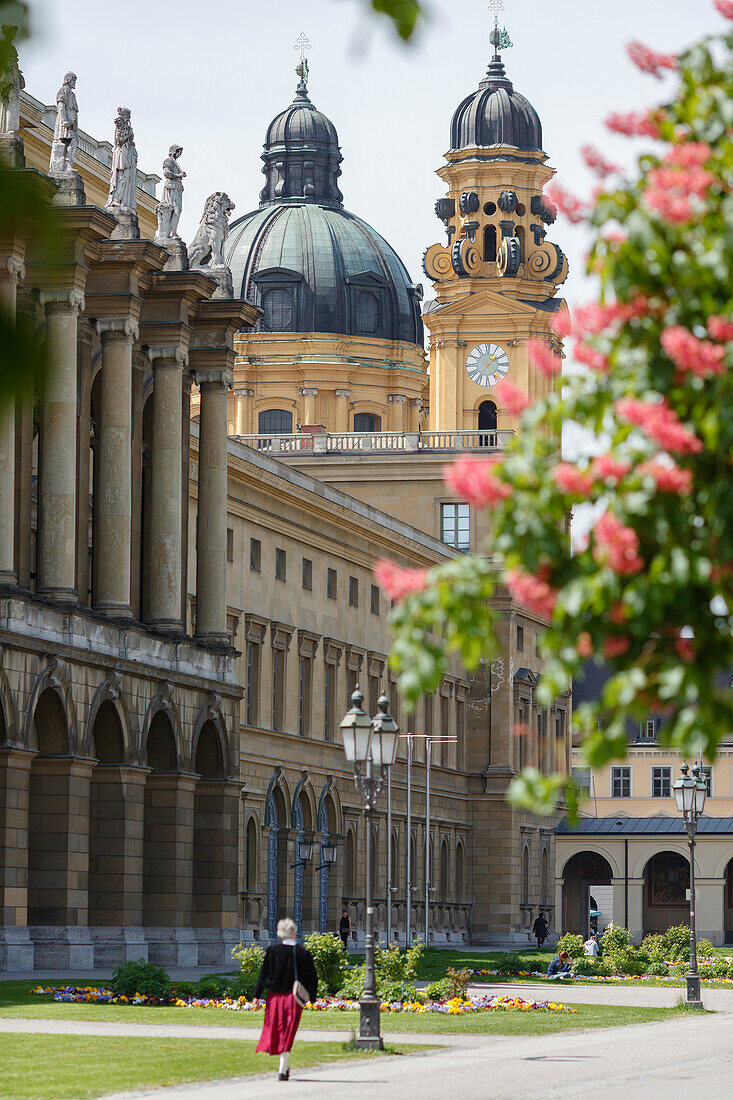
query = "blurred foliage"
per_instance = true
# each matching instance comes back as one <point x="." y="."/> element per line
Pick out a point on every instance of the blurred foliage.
<point x="405" y="14"/>
<point x="665" y="627"/>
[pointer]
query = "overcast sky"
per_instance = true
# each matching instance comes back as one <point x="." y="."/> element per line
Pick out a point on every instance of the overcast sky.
<point x="212" y="76"/>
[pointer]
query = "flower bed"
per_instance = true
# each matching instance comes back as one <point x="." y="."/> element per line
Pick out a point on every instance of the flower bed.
<point x="457" y="1007"/>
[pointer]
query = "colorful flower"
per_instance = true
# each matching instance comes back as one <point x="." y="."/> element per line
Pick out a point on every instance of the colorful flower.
<point x="721" y="328"/>
<point x="699" y="357"/>
<point x="510" y="398"/>
<point x="616" y="646"/>
<point x="616" y="545"/>
<point x="634" y="124"/>
<point x="571" y="480"/>
<point x="725" y="7"/>
<point x="532" y="592"/>
<point x="649" y="61"/>
<point x="597" y="162"/>
<point x="669" y="478"/>
<point x="608" y="468"/>
<point x="542" y="356"/>
<point x="397" y="582"/>
<point x="660" y="423"/>
<point x="572" y="207"/>
<point x="473" y="478"/>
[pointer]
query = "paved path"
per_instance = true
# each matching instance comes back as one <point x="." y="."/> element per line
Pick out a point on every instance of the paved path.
<point x="684" y="1059"/>
<point x="651" y="996"/>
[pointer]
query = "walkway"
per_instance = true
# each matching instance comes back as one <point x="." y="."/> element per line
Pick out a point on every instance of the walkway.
<point x="651" y="996"/>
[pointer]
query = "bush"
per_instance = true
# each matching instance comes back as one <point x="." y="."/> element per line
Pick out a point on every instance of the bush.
<point x="211" y="985"/>
<point x="626" y="960"/>
<point x="587" y="966"/>
<point x="615" y="938"/>
<point x="140" y="977"/>
<point x="658" y="969"/>
<point x="353" y="984"/>
<point x="458" y="980"/>
<point x="250" y="960"/>
<point x="572" y="944"/>
<point x="439" y="991"/>
<point x="655" y="947"/>
<point x="677" y="941"/>
<point x="509" y="962"/>
<point x="329" y="955"/>
<point x="397" y="991"/>
<point x="705" y="949"/>
<point x="395" y="974"/>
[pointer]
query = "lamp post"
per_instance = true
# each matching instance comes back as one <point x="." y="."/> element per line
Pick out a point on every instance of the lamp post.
<point x="370" y="745"/>
<point x="689" y="793"/>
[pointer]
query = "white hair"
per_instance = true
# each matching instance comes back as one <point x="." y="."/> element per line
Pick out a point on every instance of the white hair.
<point x="287" y="929"/>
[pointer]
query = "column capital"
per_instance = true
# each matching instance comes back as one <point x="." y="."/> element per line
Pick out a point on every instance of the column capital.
<point x="62" y="300"/>
<point x="122" y="329"/>
<point x="12" y="268"/>
<point x="342" y="393"/>
<point x="307" y="392"/>
<point x="397" y="399"/>
<point x="416" y="402"/>
<point x="244" y="393"/>
<point x="172" y="354"/>
<point x="212" y="377"/>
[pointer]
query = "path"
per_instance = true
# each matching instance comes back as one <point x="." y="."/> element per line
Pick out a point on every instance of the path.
<point x="651" y="996"/>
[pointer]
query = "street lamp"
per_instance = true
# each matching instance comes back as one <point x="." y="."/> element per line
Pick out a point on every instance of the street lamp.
<point x="305" y="852"/>
<point x="689" y="793"/>
<point x="329" y="851"/>
<point x="370" y="744"/>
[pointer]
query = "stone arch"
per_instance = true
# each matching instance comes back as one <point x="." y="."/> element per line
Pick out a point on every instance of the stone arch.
<point x="209" y="756"/>
<point x="594" y="849"/>
<point x="251" y="854"/>
<point x="108" y="695"/>
<point x="210" y="716"/>
<point x="167" y="818"/>
<point x="215" y="831"/>
<point x="581" y="872"/>
<point x="276" y="819"/>
<point x="545" y="876"/>
<point x="8" y="719"/>
<point x="666" y="883"/>
<point x="108" y="809"/>
<point x="51" y="678"/>
<point x="670" y="844"/>
<point x="161" y="754"/>
<point x="329" y="827"/>
<point x="525" y="874"/>
<point x="303" y="820"/>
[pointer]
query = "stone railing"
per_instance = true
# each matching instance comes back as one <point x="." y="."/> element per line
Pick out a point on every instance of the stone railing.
<point x="253" y="911"/>
<point x="450" y="922"/>
<point x="330" y="443"/>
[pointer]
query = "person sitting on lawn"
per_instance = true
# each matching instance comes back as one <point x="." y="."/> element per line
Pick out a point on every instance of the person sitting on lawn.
<point x="560" y="966"/>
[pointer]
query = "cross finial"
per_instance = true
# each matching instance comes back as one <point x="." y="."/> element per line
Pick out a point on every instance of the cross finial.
<point x="302" y="43"/>
<point x="496" y="6"/>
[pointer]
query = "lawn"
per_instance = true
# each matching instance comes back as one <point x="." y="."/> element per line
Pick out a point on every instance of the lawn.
<point x="16" y="1000"/>
<point x="70" y="1067"/>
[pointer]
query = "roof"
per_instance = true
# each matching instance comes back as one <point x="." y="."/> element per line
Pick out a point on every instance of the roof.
<point x="662" y="824"/>
<point x="496" y="115"/>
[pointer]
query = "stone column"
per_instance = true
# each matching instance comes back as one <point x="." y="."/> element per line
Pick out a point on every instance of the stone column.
<point x="397" y="408"/>
<point x="15" y="765"/>
<point x="116" y="845"/>
<point x="243" y="413"/>
<point x="166" y="503"/>
<point x="342" y="410"/>
<point x="215" y="846"/>
<point x="211" y="532"/>
<point x="13" y="269"/>
<point x="415" y="405"/>
<point x="168" y="847"/>
<point x="112" y="564"/>
<point x="57" y="492"/>
<point x="309" y="405"/>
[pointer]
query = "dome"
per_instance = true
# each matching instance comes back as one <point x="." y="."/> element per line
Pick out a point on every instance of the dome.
<point x="312" y="267"/>
<point x="301" y="155"/>
<point x="496" y="115"/>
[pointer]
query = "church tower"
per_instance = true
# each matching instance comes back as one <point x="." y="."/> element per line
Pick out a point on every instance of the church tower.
<point x="496" y="277"/>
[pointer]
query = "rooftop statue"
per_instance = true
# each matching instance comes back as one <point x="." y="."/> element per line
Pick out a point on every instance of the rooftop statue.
<point x="170" y="206"/>
<point x="66" y="131"/>
<point x="11" y="85"/>
<point x="122" y="200"/>
<point x="207" y="248"/>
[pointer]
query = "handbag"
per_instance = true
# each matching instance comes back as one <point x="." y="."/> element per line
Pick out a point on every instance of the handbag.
<point x="300" y="993"/>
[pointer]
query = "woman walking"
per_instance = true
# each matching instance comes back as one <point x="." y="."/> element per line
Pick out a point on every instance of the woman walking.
<point x="289" y="974"/>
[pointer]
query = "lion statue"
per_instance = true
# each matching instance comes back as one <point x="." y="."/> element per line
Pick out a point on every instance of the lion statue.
<point x="207" y="247"/>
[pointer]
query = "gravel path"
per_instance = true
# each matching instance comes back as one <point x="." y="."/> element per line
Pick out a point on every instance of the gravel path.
<point x="719" y="1000"/>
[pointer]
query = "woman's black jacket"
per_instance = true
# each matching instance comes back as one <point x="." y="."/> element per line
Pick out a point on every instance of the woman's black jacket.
<point x="278" y="971"/>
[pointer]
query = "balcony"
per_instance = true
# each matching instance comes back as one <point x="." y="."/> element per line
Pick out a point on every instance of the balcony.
<point x="363" y="443"/>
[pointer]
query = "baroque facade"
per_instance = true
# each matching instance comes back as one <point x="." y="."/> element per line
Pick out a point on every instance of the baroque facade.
<point x="183" y="616"/>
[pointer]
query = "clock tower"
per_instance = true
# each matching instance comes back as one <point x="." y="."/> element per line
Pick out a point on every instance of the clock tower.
<point x="496" y="276"/>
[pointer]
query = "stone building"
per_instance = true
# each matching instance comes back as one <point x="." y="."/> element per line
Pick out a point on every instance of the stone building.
<point x="184" y="616"/>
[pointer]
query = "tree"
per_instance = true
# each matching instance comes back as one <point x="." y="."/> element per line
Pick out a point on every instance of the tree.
<point x="650" y="590"/>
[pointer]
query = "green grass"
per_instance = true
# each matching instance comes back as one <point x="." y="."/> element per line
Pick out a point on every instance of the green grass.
<point x="17" y="1001"/>
<point x="70" y="1067"/>
<point x="435" y="961"/>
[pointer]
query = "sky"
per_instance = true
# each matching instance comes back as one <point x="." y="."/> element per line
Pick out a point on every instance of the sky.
<point x="211" y="77"/>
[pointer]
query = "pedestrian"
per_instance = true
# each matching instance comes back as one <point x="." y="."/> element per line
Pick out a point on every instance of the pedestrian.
<point x="560" y="966"/>
<point x="345" y="928"/>
<point x="540" y="929"/>
<point x="289" y="975"/>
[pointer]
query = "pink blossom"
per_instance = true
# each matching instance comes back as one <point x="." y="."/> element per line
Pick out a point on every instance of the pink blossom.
<point x="616" y="646"/>
<point x="562" y="324"/>
<point x="725" y="7"/>
<point x="472" y="478"/>
<point x="634" y="124"/>
<point x="544" y="358"/>
<point x="584" y="644"/>
<point x="531" y="592"/>
<point x="616" y="236"/>
<point x="685" y="649"/>
<point x="597" y="163"/>
<point x="675" y="209"/>
<point x="510" y="398"/>
<point x="648" y="60"/>
<point x="596" y="317"/>
<point x="675" y="182"/>
<point x="608" y="468"/>
<point x="660" y="423"/>
<point x="573" y="208"/>
<point x="720" y="328"/>
<point x="617" y="545"/>
<point x="590" y="357"/>
<point x="398" y="582"/>
<point x="690" y="154"/>
<point x="619" y="613"/>
<point x="571" y="480"/>
<point x="700" y="357"/>
<point x="668" y="478"/>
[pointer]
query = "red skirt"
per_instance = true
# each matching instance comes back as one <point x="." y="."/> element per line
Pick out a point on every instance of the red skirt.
<point x="282" y="1016"/>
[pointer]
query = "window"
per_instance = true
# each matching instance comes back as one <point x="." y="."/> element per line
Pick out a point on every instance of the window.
<point x="255" y="555"/>
<point x="250" y="866"/>
<point x="487" y="421"/>
<point x="352" y="679"/>
<point x="367" y="422"/>
<point x="305" y="695"/>
<point x="277" y="307"/>
<point x="460" y="729"/>
<point x="445" y="747"/>
<point x="519" y="234"/>
<point x="275" y="422"/>
<point x="330" y="703"/>
<point x="375" y="599"/>
<point x="661" y="782"/>
<point x="394" y="701"/>
<point x="582" y="779"/>
<point x="353" y="592"/>
<point x="620" y="782"/>
<point x="706" y="773"/>
<point x="281" y="564"/>
<point x="331" y="584"/>
<point x="520" y="639"/>
<point x="230" y="544"/>
<point x="490" y="242"/>
<point x="253" y="683"/>
<point x="307" y="573"/>
<point x="455" y="526"/>
<point x="648" y="730"/>
<point x="366" y="309"/>
<point x="373" y="694"/>
<point x="278" y="689"/>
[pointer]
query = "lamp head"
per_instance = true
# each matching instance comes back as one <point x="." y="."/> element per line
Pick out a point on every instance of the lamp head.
<point x="685" y="792"/>
<point x="356" y="731"/>
<point x="384" y="735"/>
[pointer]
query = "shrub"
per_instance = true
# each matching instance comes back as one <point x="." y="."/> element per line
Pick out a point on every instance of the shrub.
<point x="212" y="985"/>
<point x="395" y="965"/>
<point x="615" y="938"/>
<point x="705" y="949"/>
<point x="458" y="980"/>
<point x="140" y="977"/>
<point x="353" y="983"/>
<point x="626" y="960"/>
<point x="250" y="960"/>
<point x="658" y="969"/>
<point x="509" y="962"/>
<point x="655" y="947"/>
<point x="329" y="955"/>
<point x="588" y="966"/>
<point x="677" y="941"/>
<point x="572" y="944"/>
<point x="439" y="991"/>
<point x="397" y="991"/>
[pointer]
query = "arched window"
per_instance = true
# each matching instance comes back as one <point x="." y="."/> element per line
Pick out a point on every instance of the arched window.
<point x="544" y="877"/>
<point x="376" y="863"/>
<point x="250" y="863"/>
<point x="349" y="877"/>
<point x="525" y="875"/>
<point x="490" y="244"/>
<point x="366" y="310"/>
<point x="367" y="422"/>
<point x="395" y="860"/>
<point x="460" y="873"/>
<point x="275" y="422"/>
<point x="487" y="416"/>
<point x="444" y="870"/>
<point x="277" y="308"/>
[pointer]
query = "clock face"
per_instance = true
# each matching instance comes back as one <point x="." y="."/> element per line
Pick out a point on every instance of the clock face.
<point x="487" y="364"/>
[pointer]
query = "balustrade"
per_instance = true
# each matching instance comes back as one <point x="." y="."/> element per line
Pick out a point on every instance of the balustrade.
<point x="376" y="442"/>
